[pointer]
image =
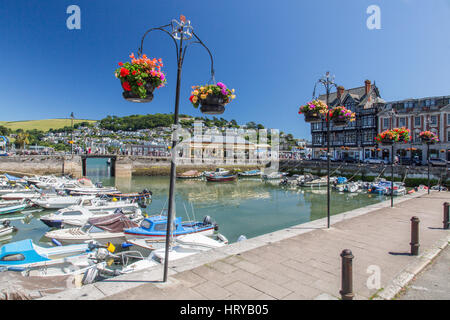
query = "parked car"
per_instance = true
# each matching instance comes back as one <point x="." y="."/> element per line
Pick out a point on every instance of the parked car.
<point x="437" y="162"/>
<point x="375" y="161"/>
<point x="349" y="159"/>
<point x="324" y="158"/>
<point x="410" y="161"/>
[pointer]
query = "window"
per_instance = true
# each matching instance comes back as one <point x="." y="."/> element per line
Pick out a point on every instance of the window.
<point x="385" y="122"/>
<point x="417" y="121"/>
<point x="13" y="257"/>
<point x="402" y="122"/>
<point x="448" y="119"/>
<point x="433" y="120"/>
<point x="448" y="136"/>
<point x="146" y="224"/>
<point x="427" y="102"/>
<point x="72" y="213"/>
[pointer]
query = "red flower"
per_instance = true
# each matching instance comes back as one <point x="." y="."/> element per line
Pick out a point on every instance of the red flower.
<point x="120" y="64"/>
<point x="134" y="72"/>
<point x="139" y="83"/>
<point x="190" y="98"/>
<point x="126" y="86"/>
<point x="124" y="72"/>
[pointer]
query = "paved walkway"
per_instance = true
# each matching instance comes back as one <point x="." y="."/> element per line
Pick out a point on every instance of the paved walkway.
<point x="301" y="262"/>
<point x="433" y="283"/>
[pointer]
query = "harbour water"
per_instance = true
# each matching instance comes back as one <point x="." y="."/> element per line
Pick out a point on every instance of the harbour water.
<point x="249" y="206"/>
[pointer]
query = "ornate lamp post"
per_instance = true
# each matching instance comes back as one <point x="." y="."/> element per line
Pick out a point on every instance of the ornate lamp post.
<point x="328" y="82"/>
<point x="183" y="35"/>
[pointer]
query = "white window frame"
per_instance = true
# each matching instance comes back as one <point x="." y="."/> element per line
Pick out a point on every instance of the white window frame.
<point x="400" y="119"/>
<point x="420" y="121"/>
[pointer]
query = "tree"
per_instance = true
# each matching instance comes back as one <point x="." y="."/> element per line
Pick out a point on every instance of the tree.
<point x="4" y="131"/>
<point x="22" y="139"/>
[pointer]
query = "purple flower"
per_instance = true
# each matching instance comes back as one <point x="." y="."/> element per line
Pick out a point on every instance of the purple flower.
<point x="221" y="85"/>
<point x="224" y="92"/>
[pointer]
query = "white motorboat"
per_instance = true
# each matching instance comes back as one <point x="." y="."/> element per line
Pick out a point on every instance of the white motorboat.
<point x="77" y="216"/>
<point x="195" y="240"/>
<point x="102" y="230"/>
<point x="188" y="245"/>
<point x="59" y="202"/>
<point x="351" y="187"/>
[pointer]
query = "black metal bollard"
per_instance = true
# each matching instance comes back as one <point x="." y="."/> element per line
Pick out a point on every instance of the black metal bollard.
<point x="347" y="277"/>
<point x="415" y="236"/>
<point x="446" y="217"/>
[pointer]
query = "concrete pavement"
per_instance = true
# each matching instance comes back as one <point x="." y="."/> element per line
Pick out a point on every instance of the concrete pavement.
<point x="433" y="283"/>
<point x="301" y="262"/>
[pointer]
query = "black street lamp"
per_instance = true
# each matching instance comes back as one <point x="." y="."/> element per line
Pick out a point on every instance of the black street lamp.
<point x="328" y="82"/>
<point x="183" y="32"/>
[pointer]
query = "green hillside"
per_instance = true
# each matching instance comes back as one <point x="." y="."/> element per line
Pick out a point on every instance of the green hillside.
<point x="43" y="125"/>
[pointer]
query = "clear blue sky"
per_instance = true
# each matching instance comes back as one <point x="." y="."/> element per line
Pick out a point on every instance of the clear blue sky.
<point x="271" y="52"/>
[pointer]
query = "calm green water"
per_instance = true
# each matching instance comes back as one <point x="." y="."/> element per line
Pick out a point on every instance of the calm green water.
<point x="247" y="207"/>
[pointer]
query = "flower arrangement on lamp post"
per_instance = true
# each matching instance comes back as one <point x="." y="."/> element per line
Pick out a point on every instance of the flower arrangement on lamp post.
<point x="314" y="111"/>
<point x="140" y="77"/>
<point x="340" y="116"/>
<point x="212" y="98"/>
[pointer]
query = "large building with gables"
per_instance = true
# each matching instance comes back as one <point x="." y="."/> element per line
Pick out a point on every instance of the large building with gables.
<point x="357" y="139"/>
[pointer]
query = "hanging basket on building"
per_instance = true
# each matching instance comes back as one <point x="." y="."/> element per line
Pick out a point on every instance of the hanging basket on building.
<point x="211" y="98"/>
<point x="428" y="137"/>
<point x="392" y="136"/>
<point x="314" y="111"/>
<point x="140" y="77"/>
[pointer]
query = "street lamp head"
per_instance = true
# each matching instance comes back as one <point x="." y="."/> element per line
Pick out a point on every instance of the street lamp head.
<point x="182" y="28"/>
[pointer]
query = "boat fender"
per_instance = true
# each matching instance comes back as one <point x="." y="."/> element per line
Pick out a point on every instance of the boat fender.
<point x="207" y="220"/>
<point x="241" y="238"/>
<point x="56" y="242"/>
<point x="126" y="245"/>
<point x="216" y="227"/>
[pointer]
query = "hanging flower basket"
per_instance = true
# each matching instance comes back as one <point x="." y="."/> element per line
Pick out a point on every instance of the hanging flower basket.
<point x="314" y="111"/>
<point x="211" y="98"/>
<point x="341" y="116"/>
<point x="428" y="137"/>
<point x="140" y="77"/>
<point x="402" y="134"/>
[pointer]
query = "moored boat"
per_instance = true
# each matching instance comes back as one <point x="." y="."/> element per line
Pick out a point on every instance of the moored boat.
<point x="155" y="228"/>
<point x="250" y="173"/>
<point x="221" y="178"/>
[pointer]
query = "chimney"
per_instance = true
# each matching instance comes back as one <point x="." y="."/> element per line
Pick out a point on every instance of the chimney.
<point x="340" y="92"/>
<point x="367" y="85"/>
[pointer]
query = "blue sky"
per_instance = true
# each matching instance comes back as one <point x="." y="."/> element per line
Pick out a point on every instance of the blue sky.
<point x="271" y="52"/>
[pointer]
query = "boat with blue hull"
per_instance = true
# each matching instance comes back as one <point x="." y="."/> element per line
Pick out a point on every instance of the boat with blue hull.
<point x="155" y="228"/>
<point x="26" y="254"/>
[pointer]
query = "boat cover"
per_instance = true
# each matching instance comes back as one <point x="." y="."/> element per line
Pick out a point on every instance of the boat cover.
<point x="189" y="173"/>
<point x="113" y="223"/>
<point x="12" y="178"/>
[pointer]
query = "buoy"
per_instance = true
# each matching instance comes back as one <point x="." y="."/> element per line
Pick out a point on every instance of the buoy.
<point x="126" y="245"/>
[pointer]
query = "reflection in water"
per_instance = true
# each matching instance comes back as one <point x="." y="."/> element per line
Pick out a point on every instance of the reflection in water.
<point x="248" y="206"/>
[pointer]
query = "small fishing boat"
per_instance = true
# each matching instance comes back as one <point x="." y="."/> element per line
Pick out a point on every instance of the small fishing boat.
<point x="273" y="175"/>
<point x="13" y="208"/>
<point x="6" y="228"/>
<point x="102" y="230"/>
<point x="250" y="173"/>
<point x="351" y="187"/>
<point x="191" y="174"/>
<point x="138" y="196"/>
<point x="221" y="178"/>
<point x="218" y="171"/>
<point x="77" y="216"/>
<point x="26" y="254"/>
<point x="155" y="228"/>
